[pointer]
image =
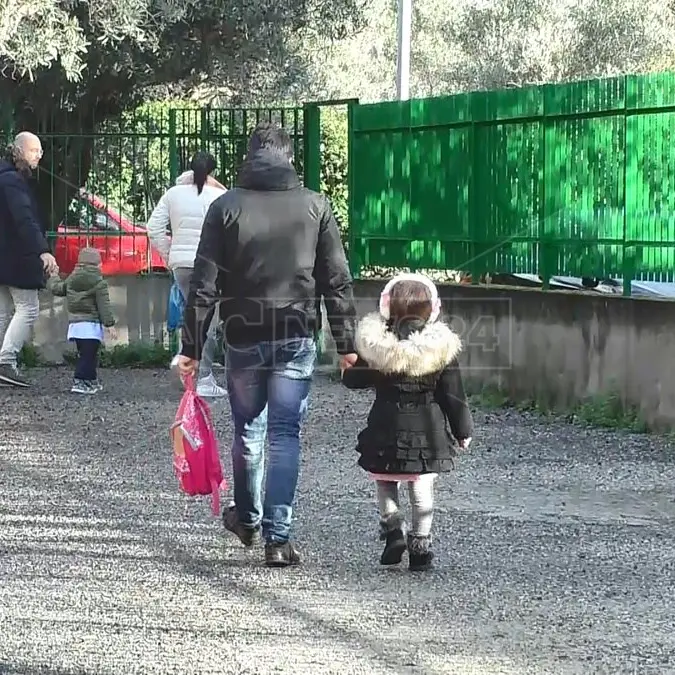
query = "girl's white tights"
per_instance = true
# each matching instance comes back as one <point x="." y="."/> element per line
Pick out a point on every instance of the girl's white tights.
<point x="421" y="493"/>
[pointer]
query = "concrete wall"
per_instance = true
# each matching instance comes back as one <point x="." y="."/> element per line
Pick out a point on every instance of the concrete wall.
<point x="139" y="304"/>
<point x="560" y="346"/>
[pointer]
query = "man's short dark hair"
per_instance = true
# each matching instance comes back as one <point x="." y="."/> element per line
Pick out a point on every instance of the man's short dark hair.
<point x="270" y="136"/>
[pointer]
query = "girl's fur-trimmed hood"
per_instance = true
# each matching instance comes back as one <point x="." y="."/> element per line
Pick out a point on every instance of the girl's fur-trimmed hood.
<point x="422" y="353"/>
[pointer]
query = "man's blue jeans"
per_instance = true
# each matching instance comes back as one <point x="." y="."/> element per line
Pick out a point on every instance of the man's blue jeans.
<point x="268" y="384"/>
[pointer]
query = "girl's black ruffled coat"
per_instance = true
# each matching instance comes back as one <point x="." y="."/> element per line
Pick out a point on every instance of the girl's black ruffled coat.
<point x="418" y="395"/>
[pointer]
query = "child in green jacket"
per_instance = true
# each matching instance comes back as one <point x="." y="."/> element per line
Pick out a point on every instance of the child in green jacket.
<point x="89" y="311"/>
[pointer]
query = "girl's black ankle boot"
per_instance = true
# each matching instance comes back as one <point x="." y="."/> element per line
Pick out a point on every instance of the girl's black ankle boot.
<point x="394" y="547"/>
<point x="420" y="555"/>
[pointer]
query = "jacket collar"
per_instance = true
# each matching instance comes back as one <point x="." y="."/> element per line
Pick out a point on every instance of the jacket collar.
<point x="6" y="166"/>
<point x="9" y="167"/>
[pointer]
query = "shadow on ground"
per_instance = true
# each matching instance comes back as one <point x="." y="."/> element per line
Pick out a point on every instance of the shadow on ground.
<point x="553" y="546"/>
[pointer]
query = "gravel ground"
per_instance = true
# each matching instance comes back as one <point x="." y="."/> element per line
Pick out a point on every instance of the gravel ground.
<point x="555" y="544"/>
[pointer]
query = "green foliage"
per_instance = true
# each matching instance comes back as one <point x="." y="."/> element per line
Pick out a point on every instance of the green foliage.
<point x="29" y="356"/>
<point x="607" y="411"/>
<point x="611" y="412"/>
<point x="153" y="40"/>
<point x="93" y="62"/>
<point x="491" y="397"/>
<point x="134" y="355"/>
<point x="494" y="44"/>
<point x="60" y="36"/>
<point x="334" y="162"/>
<point x="131" y="164"/>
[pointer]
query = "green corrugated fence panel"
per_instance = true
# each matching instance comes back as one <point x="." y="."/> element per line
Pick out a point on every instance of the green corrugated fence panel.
<point x="650" y="189"/>
<point x="656" y="90"/>
<point x="381" y="116"/>
<point x="438" y="112"/>
<point x="508" y="104"/>
<point x="584" y="188"/>
<point x="576" y="179"/>
<point x="508" y="171"/>
<point x="382" y="198"/>
<point x="440" y="162"/>
<point x="579" y="98"/>
<point x="653" y="263"/>
<point x="417" y="254"/>
<point x="587" y="259"/>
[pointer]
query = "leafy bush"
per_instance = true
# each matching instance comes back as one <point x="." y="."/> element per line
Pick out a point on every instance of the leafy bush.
<point x="334" y="163"/>
<point x="133" y="355"/>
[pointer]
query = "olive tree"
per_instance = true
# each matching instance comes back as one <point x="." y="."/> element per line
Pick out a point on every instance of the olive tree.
<point x="489" y="44"/>
<point x="69" y="65"/>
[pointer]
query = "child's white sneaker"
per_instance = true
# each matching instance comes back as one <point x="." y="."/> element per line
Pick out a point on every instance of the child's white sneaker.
<point x="207" y="387"/>
<point x="83" y="387"/>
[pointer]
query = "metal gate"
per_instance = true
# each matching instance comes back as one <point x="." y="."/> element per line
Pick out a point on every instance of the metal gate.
<point x="105" y="183"/>
<point x="224" y="132"/>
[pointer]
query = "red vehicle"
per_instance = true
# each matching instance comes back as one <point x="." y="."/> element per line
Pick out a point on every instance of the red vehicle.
<point x="124" y="247"/>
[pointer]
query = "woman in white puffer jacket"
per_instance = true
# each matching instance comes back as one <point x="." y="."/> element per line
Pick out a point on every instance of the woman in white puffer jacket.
<point x="183" y="208"/>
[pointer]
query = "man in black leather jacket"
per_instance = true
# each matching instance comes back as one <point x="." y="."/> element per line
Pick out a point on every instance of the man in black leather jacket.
<point x="269" y="248"/>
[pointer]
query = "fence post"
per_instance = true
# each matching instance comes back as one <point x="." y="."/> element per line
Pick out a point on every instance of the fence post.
<point x="174" y="336"/>
<point x="312" y="143"/>
<point x="312" y="179"/>
<point x="474" y="228"/>
<point x="628" y="274"/>
<point x="173" y="148"/>
<point x="543" y="249"/>
<point x="354" y="266"/>
<point x="626" y="262"/>
<point x="204" y="128"/>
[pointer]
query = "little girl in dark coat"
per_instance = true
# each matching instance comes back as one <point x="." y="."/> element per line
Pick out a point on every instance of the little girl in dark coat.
<point x="410" y="359"/>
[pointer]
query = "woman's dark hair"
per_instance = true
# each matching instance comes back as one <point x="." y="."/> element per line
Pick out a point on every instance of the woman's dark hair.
<point x="409" y="307"/>
<point x="203" y="164"/>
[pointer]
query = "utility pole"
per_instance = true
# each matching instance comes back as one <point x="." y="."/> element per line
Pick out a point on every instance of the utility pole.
<point x="403" y="66"/>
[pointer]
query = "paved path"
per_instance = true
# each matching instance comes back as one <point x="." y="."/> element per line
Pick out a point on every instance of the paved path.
<point x="556" y="551"/>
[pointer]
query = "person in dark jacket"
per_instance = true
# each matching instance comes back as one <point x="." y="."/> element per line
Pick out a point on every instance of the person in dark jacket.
<point x="269" y="248"/>
<point x="410" y="358"/>
<point x="24" y="254"/>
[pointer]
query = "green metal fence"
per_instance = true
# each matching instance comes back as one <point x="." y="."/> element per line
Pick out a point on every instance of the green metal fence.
<point x="575" y="179"/>
<point x="99" y="188"/>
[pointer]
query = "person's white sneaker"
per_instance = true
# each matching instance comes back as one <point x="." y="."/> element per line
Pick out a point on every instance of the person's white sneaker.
<point x="207" y="387"/>
<point x="174" y="362"/>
